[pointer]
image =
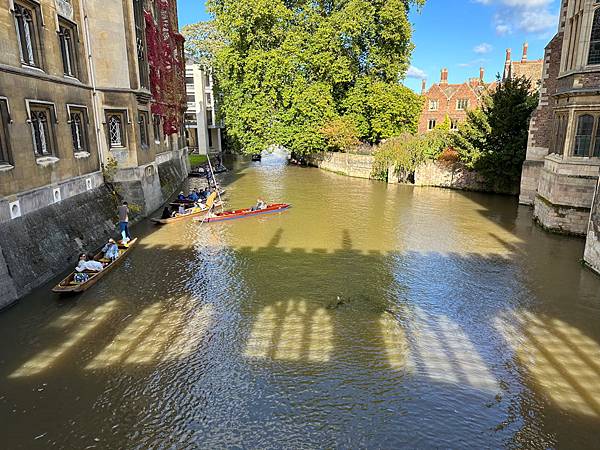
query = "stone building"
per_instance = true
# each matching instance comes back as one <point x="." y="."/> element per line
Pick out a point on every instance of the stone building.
<point x="444" y="100"/>
<point x="80" y="90"/>
<point x="560" y="175"/>
<point x="204" y="130"/>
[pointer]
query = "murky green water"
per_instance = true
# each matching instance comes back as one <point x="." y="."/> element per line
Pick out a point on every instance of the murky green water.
<point x="366" y="316"/>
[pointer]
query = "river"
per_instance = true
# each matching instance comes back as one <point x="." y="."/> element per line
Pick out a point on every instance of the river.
<point x="367" y="315"/>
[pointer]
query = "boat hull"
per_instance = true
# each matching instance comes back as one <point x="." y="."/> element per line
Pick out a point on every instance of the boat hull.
<point x="243" y="213"/>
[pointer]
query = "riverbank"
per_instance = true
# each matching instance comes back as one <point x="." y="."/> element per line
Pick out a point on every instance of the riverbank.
<point x="451" y="175"/>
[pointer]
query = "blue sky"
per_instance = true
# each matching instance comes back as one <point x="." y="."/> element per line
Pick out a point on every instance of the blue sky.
<point x="461" y="35"/>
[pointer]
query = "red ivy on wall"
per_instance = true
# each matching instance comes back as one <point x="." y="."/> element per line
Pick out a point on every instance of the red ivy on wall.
<point x="167" y="67"/>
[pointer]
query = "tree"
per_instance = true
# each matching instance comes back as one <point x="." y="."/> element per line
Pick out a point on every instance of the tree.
<point x="202" y="42"/>
<point x="288" y="67"/>
<point x="340" y="134"/>
<point x="493" y="140"/>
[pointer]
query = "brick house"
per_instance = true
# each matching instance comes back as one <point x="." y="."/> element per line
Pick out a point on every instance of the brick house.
<point x="532" y="70"/>
<point x="450" y="100"/>
<point x="560" y="174"/>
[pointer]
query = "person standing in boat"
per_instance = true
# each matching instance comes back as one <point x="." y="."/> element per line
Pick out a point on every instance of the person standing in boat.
<point x="123" y="212"/>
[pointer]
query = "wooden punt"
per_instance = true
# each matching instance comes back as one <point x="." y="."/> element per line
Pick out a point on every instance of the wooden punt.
<point x="67" y="285"/>
<point x="181" y="217"/>
<point x="242" y="213"/>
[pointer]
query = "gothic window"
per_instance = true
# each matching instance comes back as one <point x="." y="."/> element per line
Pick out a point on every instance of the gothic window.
<point x="560" y="133"/>
<point x="462" y="103"/>
<point x="143" y="121"/>
<point x="431" y="124"/>
<point x="4" y="137"/>
<point x="208" y="99"/>
<point x="209" y="118"/>
<point x="78" y="120"/>
<point x="67" y="36"/>
<point x="433" y="105"/>
<point x="27" y="36"/>
<point x="583" y="138"/>
<point x="156" y="122"/>
<point x="140" y="40"/>
<point x="594" y="54"/>
<point x="42" y="129"/>
<point x="115" y="122"/>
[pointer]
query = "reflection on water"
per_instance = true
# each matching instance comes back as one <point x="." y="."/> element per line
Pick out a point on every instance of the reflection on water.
<point x="561" y="359"/>
<point x="365" y="316"/>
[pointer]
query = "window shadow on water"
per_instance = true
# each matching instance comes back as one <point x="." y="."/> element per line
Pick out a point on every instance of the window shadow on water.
<point x="369" y="347"/>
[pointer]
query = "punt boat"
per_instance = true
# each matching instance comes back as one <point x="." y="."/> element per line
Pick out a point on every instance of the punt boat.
<point x="242" y="213"/>
<point x="67" y="285"/>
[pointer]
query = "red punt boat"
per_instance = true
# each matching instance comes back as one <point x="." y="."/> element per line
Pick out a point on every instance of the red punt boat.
<point x="241" y="213"/>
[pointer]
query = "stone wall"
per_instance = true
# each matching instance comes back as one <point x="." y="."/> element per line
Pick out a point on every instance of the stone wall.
<point x="38" y="246"/>
<point x="449" y="175"/>
<point x="349" y="164"/>
<point x="565" y="192"/>
<point x="592" y="244"/>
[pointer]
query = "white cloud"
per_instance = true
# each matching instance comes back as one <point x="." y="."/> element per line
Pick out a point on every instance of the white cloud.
<point x="415" y="72"/>
<point x="529" y="16"/>
<point x="482" y="48"/>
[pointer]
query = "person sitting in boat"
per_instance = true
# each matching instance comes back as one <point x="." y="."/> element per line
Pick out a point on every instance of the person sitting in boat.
<point x="181" y="196"/>
<point x="260" y="204"/>
<point x="167" y="213"/>
<point x="111" y="250"/>
<point x="87" y="263"/>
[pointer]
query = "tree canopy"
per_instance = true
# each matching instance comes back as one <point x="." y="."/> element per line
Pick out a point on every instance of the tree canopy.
<point x="287" y="68"/>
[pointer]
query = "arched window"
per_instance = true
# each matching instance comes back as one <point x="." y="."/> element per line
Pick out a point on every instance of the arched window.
<point x="594" y="54"/>
<point x="583" y="138"/>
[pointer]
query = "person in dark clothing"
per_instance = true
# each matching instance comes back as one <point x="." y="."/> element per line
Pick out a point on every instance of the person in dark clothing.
<point x="166" y="213"/>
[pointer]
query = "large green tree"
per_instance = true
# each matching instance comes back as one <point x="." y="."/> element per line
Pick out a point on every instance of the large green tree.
<point x="287" y="68"/>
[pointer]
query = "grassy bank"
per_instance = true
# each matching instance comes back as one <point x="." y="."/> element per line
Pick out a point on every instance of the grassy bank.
<point x="196" y="160"/>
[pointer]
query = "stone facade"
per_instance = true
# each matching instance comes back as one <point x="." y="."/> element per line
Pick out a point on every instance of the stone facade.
<point x="592" y="244"/>
<point x="560" y="175"/>
<point x="444" y="100"/>
<point x="77" y="96"/>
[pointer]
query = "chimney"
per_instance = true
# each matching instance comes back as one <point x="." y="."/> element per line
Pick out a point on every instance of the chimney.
<point x="444" y="76"/>
<point x="481" y="74"/>
<point x="423" y="86"/>
<point x="508" y="55"/>
<point x="525" y="47"/>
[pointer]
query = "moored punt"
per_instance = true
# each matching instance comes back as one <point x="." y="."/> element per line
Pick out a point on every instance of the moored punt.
<point x="179" y="217"/>
<point x="67" y="285"/>
<point x="247" y="212"/>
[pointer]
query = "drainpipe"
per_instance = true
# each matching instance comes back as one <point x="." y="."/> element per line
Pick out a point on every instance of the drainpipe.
<point x="92" y="75"/>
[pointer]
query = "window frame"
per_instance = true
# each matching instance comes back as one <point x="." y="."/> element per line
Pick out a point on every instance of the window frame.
<point x="454" y="124"/>
<point x="69" y="49"/>
<point x="84" y="132"/>
<point x="143" y="129"/>
<point x="157" y="128"/>
<point x="35" y="50"/>
<point x="5" y="121"/>
<point x="49" y="131"/>
<point x="433" y="105"/>
<point x="459" y="106"/>
<point x="124" y="117"/>
<point x="429" y="124"/>
<point x="594" y="136"/>
<point x="140" y="44"/>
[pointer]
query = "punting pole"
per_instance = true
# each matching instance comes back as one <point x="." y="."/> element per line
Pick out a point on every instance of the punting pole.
<point x="215" y="180"/>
